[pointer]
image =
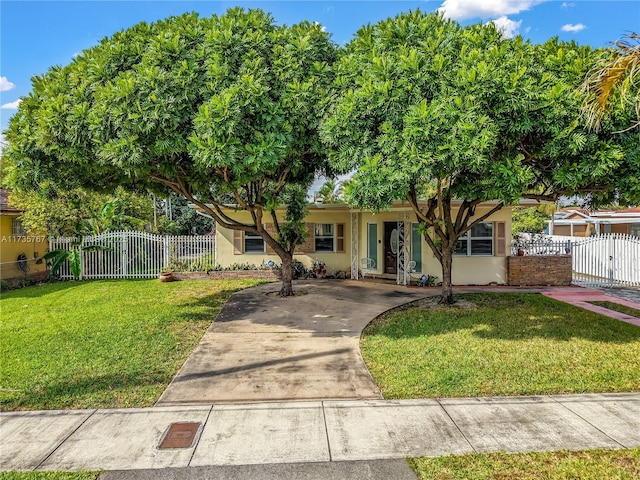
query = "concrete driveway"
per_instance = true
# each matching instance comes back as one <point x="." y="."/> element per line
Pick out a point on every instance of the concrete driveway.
<point x="265" y="348"/>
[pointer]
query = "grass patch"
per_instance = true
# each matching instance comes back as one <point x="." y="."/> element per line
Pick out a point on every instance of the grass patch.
<point x="508" y="344"/>
<point x="101" y="344"/>
<point x="49" y="475"/>
<point x="564" y="465"/>
<point x="616" y="307"/>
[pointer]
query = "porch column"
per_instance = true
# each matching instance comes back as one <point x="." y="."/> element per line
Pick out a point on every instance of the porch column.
<point x="354" y="245"/>
<point x="402" y="277"/>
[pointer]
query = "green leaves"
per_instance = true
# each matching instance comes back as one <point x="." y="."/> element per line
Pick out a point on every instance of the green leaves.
<point x="73" y="256"/>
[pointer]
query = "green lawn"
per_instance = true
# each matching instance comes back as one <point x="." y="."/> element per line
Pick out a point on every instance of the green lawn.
<point x="583" y="465"/>
<point x="509" y="344"/>
<point x="101" y="344"/>
<point x="49" y="475"/>
<point x="616" y="307"/>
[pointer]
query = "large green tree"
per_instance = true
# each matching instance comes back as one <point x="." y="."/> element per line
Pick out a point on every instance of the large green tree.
<point x="221" y="110"/>
<point x="445" y="116"/>
<point x="58" y="211"/>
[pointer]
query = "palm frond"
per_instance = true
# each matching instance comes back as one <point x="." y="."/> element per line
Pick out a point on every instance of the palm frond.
<point x="614" y="74"/>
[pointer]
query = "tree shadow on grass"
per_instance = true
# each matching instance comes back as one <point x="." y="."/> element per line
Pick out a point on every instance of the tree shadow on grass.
<point x="205" y="308"/>
<point x="93" y="391"/>
<point x="54" y="286"/>
<point x="506" y="316"/>
<point x="40" y="290"/>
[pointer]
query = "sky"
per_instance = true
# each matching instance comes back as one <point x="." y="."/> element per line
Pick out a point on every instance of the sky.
<point x="36" y="35"/>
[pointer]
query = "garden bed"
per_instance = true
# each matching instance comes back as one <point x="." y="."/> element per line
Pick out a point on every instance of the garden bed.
<point x="228" y="275"/>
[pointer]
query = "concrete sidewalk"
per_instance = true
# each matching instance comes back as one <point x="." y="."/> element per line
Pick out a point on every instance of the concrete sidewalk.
<point x="327" y="431"/>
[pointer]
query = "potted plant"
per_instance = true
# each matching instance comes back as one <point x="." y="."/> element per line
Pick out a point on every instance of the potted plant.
<point x="166" y="276"/>
<point x="319" y="269"/>
<point x="518" y="245"/>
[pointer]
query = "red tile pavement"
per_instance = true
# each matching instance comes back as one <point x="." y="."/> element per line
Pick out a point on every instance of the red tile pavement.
<point x="581" y="298"/>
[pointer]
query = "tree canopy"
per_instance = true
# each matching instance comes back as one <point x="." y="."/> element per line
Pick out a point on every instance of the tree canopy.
<point x="425" y="109"/>
<point x="58" y="211"/>
<point x="221" y="110"/>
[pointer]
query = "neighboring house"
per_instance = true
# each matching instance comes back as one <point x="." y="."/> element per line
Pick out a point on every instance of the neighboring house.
<point x="582" y="223"/>
<point x="18" y="251"/>
<point x="341" y="237"/>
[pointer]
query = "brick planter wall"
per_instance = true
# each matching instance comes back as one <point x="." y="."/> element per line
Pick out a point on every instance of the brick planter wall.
<point x="554" y="270"/>
<point x="227" y="275"/>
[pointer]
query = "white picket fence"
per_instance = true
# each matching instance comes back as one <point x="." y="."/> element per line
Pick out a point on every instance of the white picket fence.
<point x="604" y="260"/>
<point x="134" y="254"/>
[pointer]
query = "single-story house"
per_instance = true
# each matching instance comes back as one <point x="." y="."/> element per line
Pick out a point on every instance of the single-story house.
<point x="19" y="251"/>
<point x="582" y="223"/>
<point x="343" y="238"/>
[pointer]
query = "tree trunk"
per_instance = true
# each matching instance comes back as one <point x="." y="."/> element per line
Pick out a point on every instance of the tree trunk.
<point x="447" y="264"/>
<point x="287" y="275"/>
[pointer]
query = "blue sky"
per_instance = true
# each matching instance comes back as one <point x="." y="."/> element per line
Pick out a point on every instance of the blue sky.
<point x="36" y="35"/>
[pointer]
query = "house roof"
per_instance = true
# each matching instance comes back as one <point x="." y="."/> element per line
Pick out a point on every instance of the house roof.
<point x="397" y="205"/>
<point x="5" y="207"/>
<point x="627" y="212"/>
<point x="582" y="217"/>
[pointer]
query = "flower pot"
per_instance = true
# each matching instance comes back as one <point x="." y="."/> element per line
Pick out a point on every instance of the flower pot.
<point x="166" y="277"/>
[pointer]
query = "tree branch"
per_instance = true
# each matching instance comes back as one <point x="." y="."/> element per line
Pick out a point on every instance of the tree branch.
<point x="483" y="217"/>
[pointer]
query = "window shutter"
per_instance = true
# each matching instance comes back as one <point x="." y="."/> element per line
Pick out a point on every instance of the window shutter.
<point x="340" y="238"/>
<point x="271" y="230"/>
<point x="238" y="242"/>
<point x="501" y="239"/>
<point x="309" y="245"/>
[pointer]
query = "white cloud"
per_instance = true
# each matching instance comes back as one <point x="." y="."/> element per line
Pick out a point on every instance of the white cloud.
<point x="465" y="9"/>
<point x="508" y="27"/>
<point x="568" y="4"/>
<point x="5" y="84"/>
<point x="322" y="27"/>
<point x="12" y="105"/>
<point x="569" y="27"/>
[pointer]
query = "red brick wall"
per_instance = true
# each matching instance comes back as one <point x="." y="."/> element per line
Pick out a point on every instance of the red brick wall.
<point x="540" y="270"/>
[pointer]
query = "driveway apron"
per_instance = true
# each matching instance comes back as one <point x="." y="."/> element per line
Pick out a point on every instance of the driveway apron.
<point x="265" y="348"/>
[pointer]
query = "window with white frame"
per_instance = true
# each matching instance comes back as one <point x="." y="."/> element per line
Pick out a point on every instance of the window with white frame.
<point x="253" y="243"/>
<point x="324" y="237"/>
<point x="635" y="229"/>
<point x="17" y="229"/>
<point x="477" y="241"/>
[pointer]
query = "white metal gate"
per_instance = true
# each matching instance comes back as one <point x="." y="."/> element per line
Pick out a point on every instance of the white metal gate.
<point x="606" y="260"/>
<point x="132" y="254"/>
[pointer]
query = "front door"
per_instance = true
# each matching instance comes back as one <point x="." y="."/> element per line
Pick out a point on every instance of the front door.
<point x="390" y="247"/>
